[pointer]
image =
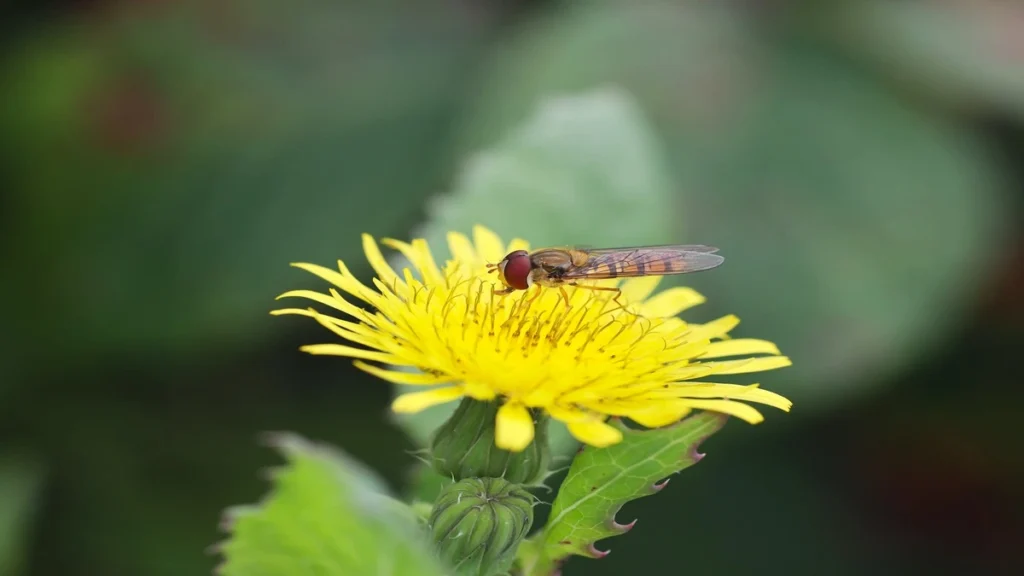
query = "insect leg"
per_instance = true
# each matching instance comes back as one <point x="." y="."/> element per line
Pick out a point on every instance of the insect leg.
<point x="536" y="294"/>
<point x="501" y="292"/>
<point x="565" y="296"/>
<point x="617" y="291"/>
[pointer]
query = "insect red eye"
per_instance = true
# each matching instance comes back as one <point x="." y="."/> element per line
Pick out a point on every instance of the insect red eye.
<point x="515" y="269"/>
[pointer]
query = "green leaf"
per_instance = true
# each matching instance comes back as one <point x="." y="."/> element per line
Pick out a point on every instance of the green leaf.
<point x="423" y="483"/>
<point x="20" y="480"/>
<point x="218" y="147"/>
<point x="602" y="480"/>
<point x="582" y="169"/>
<point x="848" y="217"/>
<point x="688" y="65"/>
<point x="966" y="53"/>
<point x="327" y="516"/>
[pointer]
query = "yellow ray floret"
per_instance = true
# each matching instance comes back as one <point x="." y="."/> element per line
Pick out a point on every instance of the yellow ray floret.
<point x="581" y="363"/>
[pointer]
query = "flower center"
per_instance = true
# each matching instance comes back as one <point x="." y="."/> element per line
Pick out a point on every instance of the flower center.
<point x="529" y="322"/>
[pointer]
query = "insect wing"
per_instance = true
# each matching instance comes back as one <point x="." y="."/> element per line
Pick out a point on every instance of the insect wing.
<point x="665" y="248"/>
<point x="650" y="261"/>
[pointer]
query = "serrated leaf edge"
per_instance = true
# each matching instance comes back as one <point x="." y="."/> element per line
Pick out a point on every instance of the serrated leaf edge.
<point x="714" y="424"/>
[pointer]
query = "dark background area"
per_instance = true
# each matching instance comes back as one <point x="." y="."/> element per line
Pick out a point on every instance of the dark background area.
<point x="165" y="160"/>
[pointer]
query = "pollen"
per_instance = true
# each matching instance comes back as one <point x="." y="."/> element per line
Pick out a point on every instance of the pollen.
<point x="599" y="354"/>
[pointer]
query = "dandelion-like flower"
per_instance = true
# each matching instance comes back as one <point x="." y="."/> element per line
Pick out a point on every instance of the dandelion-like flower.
<point x="581" y="362"/>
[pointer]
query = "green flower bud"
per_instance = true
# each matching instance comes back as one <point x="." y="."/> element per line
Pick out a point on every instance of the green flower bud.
<point x="463" y="447"/>
<point x="478" y="523"/>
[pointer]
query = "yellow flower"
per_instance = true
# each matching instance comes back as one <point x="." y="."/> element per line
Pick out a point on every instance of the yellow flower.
<point x="581" y="363"/>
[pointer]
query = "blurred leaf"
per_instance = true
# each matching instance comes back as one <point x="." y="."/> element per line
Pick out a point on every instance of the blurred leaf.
<point x="424" y="483"/>
<point x="968" y="52"/>
<point x="581" y="168"/>
<point x="326" y="516"/>
<point x="174" y="159"/>
<point x="856" y="227"/>
<point x="602" y="480"/>
<point x="19" y="484"/>
<point x="689" y="66"/>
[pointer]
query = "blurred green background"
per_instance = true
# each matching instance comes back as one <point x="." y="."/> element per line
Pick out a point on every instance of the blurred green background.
<point x="858" y="162"/>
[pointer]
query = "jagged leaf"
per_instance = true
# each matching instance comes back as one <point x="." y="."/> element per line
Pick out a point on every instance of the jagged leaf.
<point x="584" y="168"/>
<point x="327" y="516"/>
<point x="602" y="480"/>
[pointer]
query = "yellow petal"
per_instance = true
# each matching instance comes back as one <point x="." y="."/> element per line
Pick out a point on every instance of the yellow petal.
<point x="292" y="311"/>
<point x="752" y="393"/>
<point x="671" y="302"/>
<point x="714" y="329"/>
<point x="427" y="258"/>
<point x="597" y="434"/>
<point x="377" y="261"/>
<point x="514" y="427"/>
<point x="350" y="327"/>
<point x="419" y="255"/>
<point x="360" y="290"/>
<point x="740" y="410"/>
<point x="637" y="289"/>
<point x="570" y="415"/>
<point x="398" y="377"/>
<point x="748" y="365"/>
<point x="334" y="300"/>
<point x="342" y="279"/>
<point x="697" y="370"/>
<point x="482" y="391"/>
<point x="345" y="330"/>
<point x="517" y="244"/>
<point x="395" y="290"/>
<point x="418" y="401"/>
<point x="461" y="248"/>
<point x="488" y="245"/>
<point x="350" y="352"/>
<point x="332" y="276"/>
<point x="740" y="347"/>
<point x="688" y="350"/>
<point x="660" y="414"/>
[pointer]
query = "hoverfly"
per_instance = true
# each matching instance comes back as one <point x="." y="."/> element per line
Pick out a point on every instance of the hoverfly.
<point x="558" y="267"/>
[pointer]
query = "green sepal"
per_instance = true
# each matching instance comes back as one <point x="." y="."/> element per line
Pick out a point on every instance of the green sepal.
<point x="463" y="447"/>
<point x="477" y="525"/>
